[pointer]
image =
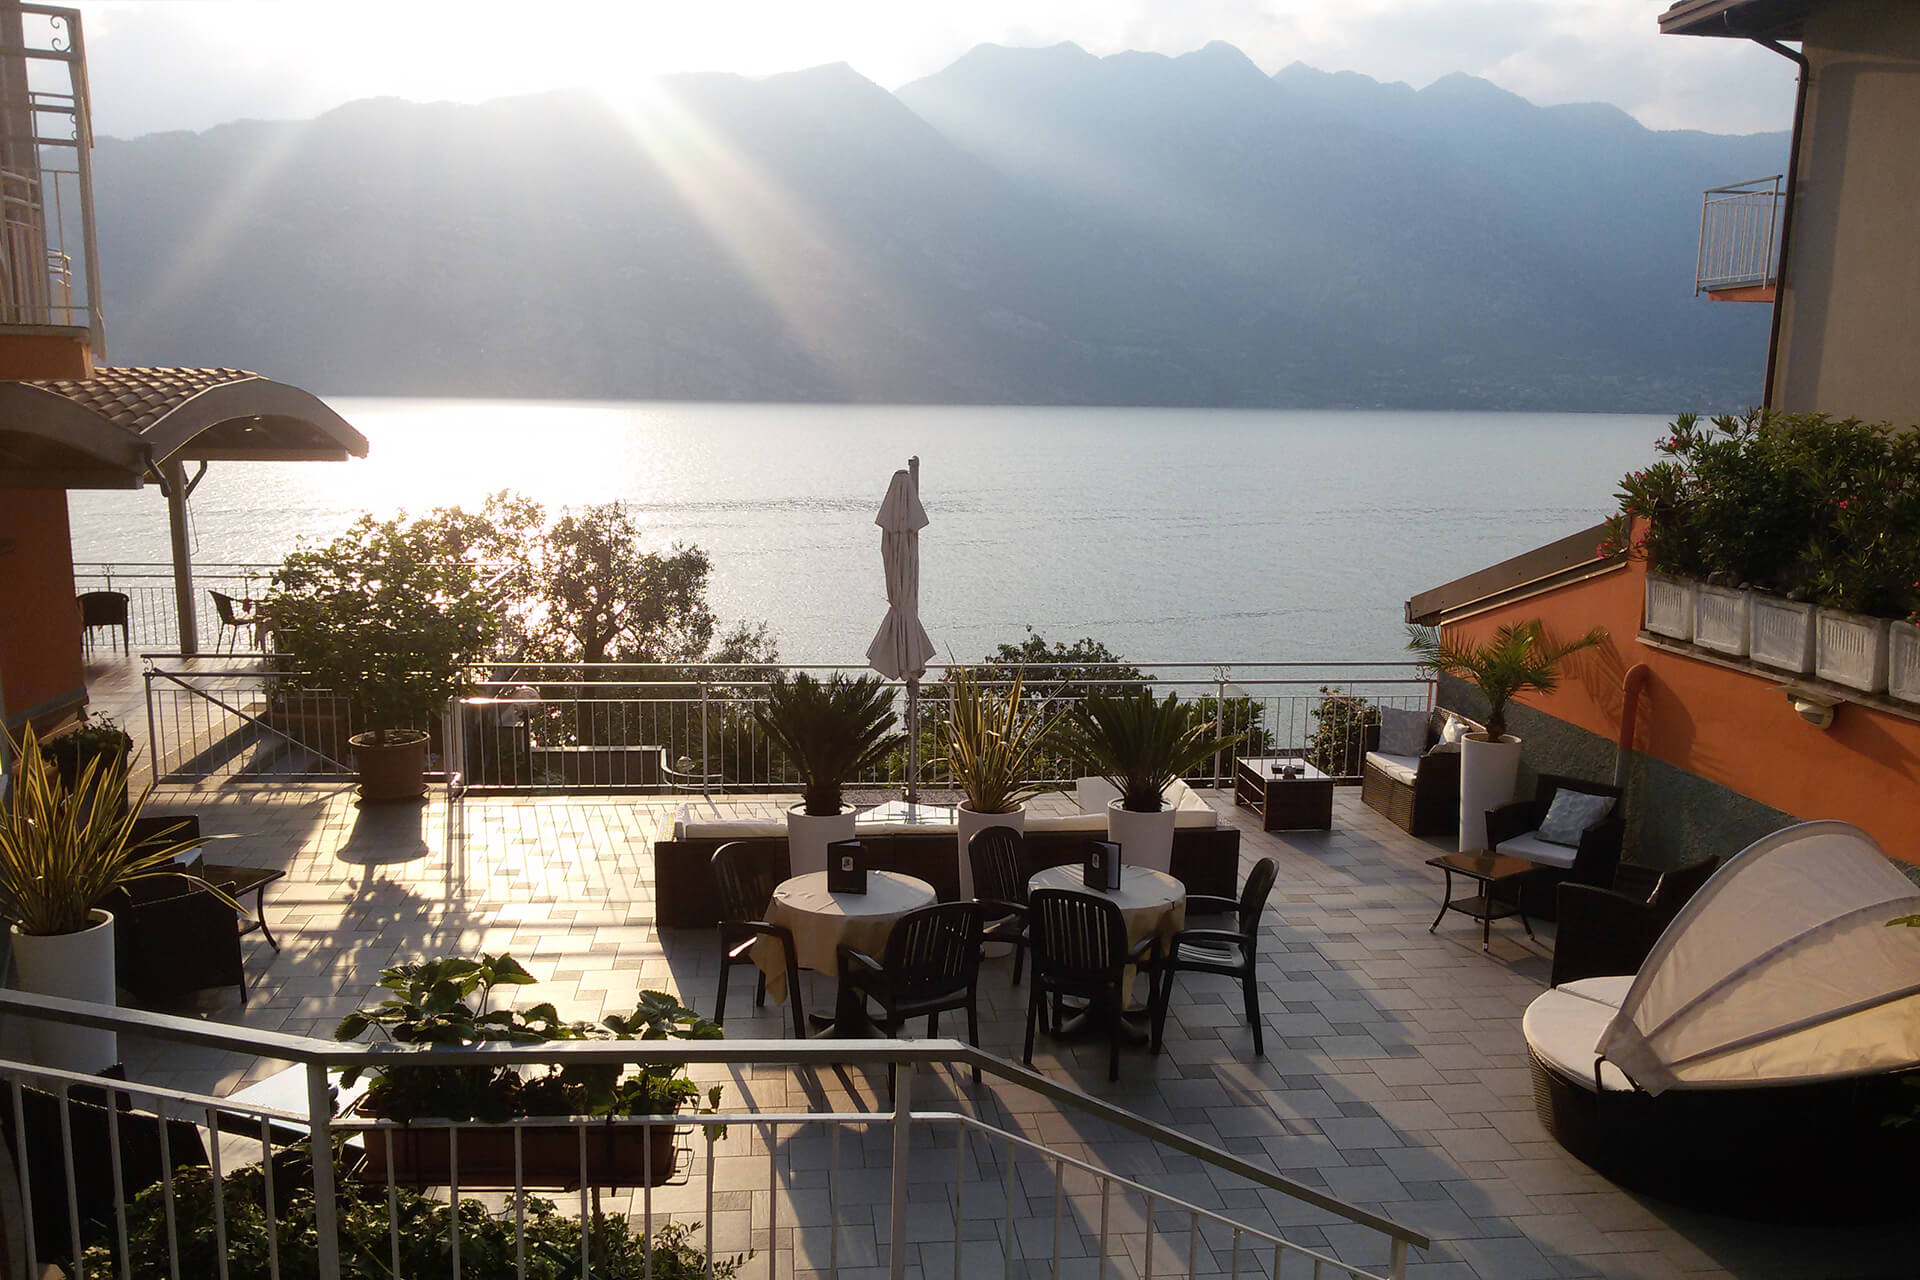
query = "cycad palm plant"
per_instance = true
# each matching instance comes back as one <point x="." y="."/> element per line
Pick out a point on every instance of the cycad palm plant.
<point x="831" y="730"/>
<point x="1520" y="658"/>
<point x="1141" y="744"/>
<point x="62" y="852"/>
<point x="993" y="740"/>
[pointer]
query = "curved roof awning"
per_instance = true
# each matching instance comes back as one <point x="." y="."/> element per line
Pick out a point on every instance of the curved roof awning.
<point x="115" y="429"/>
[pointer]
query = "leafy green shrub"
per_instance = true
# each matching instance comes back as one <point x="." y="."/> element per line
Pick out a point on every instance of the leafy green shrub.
<point x="1339" y="742"/>
<point x="488" y="1248"/>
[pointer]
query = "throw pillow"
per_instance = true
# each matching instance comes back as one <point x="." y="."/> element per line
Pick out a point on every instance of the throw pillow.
<point x="1402" y="733"/>
<point x="1454" y="730"/>
<point x="1571" y="814"/>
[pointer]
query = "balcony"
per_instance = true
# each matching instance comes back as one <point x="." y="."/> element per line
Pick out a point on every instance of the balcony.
<point x="49" y="268"/>
<point x="1740" y="240"/>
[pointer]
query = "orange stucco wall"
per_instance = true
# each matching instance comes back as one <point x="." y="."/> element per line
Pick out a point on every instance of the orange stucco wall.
<point x="45" y="355"/>
<point x="1731" y="727"/>
<point x="40" y="662"/>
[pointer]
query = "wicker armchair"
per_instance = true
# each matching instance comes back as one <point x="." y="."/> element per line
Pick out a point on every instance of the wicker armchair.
<point x="1604" y="932"/>
<point x="1514" y="829"/>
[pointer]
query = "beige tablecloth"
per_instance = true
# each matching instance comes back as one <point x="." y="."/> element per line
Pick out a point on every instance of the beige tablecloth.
<point x="822" y="921"/>
<point x="1150" y="901"/>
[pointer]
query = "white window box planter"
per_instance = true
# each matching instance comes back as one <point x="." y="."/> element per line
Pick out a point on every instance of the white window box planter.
<point x="1670" y="606"/>
<point x="1781" y="633"/>
<point x="1903" y="662"/>
<point x="1722" y="619"/>
<point x="1851" y="649"/>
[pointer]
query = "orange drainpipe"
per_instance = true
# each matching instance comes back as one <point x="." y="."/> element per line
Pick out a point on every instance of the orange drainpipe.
<point x="1630" y="686"/>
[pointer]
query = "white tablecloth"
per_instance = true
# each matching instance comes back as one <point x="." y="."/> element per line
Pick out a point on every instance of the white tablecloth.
<point x="821" y="921"/>
<point x="1150" y="901"/>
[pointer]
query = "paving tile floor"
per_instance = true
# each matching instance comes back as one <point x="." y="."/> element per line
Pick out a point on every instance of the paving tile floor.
<point x="1395" y="1076"/>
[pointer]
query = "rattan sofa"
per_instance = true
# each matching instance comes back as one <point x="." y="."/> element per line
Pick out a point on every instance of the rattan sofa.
<point x="1420" y="795"/>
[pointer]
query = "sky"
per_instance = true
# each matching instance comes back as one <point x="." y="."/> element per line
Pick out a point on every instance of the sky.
<point x="190" y="64"/>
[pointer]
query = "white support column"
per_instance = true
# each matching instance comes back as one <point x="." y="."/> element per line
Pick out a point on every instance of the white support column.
<point x="175" y="477"/>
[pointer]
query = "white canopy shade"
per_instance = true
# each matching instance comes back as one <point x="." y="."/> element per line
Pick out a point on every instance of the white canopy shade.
<point x="901" y="649"/>
<point x="1781" y="970"/>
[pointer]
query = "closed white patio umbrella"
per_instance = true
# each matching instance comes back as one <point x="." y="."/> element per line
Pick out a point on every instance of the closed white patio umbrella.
<point x="901" y="648"/>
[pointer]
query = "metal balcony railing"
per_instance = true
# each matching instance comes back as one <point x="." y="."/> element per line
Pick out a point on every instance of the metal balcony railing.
<point x="981" y="1196"/>
<point x="49" y="262"/>
<point x="1740" y="235"/>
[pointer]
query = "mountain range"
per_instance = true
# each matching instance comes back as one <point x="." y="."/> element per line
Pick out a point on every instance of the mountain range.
<point x="1033" y="226"/>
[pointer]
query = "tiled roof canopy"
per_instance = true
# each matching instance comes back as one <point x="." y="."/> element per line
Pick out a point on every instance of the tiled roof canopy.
<point x="113" y="429"/>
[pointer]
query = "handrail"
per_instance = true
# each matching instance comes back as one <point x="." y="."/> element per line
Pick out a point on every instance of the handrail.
<point x="312" y="1051"/>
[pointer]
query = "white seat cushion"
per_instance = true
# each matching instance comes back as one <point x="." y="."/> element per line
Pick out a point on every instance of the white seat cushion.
<point x="1092" y="794"/>
<point x="1399" y="768"/>
<point x="1091" y="823"/>
<point x="1531" y="847"/>
<point x="1564" y="1025"/>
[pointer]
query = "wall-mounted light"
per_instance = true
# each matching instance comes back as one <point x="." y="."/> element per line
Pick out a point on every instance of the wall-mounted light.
<point x="1815" y="706"/>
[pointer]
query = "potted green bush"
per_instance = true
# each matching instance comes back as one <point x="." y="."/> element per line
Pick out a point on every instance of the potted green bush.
<point x="1141" y="745"/>
<point x="386" y="617"/>
<point x="992" y="741"/>
<point x="448" y="1002"/>
<point x="831" y="731"/>
<point x="94" y="738"/>
<point x="62" y="852"/>
<point x="1519" y="659"/>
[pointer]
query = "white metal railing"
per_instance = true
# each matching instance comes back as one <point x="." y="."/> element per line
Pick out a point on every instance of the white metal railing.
<point x="1740" y="234"/>
<point x="1003" y="1191"/>
<point x="49" y="262"/>
<point x="652" y="728"/>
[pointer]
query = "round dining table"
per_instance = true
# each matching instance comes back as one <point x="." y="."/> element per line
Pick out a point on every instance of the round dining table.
<point x="822" y="921"/>
<point x="1150" y="902"/>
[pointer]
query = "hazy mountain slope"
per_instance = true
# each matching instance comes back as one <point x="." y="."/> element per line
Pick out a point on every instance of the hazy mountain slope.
<point x="1041" y="226"/>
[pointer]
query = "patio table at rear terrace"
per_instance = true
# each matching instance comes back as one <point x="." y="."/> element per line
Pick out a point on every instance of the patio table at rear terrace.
<point x="822" y="921"/>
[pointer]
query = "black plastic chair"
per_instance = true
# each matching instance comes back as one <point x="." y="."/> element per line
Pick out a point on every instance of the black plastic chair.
<point x="105" y="609"/>
<point x="1080" y="949"/>
<point x="1001" y="890"/>
<point x="931" y="966"/>
<point x="236" y="618"/>
<point x="746" y="876"/>
<point x="1232" y="953"/>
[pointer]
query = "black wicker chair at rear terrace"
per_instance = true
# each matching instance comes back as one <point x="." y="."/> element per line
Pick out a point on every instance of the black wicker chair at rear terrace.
<point x="995" y="859"/>
<point x="746" y="876"/>
<point x="1080" y="950"/>
<point x="931" y="966"/>
<point x="1232" y="953"/>
<point x="106" y="609"/>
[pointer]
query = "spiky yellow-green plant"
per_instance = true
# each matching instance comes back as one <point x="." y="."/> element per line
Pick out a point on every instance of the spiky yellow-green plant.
<point x="1519" y="659"/>
<point x="993" y="739"/>
<point x="61" y="852"/>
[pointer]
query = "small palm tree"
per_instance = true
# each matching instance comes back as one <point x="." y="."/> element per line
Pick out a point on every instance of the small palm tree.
<point x="1141" y="745"/>
<point x="1519" y="659"/>
<point x="993" y="740"/>
<point x="832" y="730"/>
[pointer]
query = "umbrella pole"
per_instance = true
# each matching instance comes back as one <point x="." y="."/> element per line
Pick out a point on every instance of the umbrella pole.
<point x="913" y="741"/>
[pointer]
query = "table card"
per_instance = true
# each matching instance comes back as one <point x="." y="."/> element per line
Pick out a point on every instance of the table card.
<point x="1103" y="865"/>
<point x="846" y="867"/>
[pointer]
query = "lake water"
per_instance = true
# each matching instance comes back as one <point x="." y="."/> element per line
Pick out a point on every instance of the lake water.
<point x="1167" y="534"/>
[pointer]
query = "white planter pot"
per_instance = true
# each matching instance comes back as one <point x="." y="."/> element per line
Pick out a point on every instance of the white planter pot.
<point x="1670" y="603"/>
<point x="1489" y="775"/>
<point x="1903" y="662"/>
<point x="1851" y="649"/>
<point x="1723" y="619"/>
<point x="1781" y="633"/>
<point x="1145" y="839"/>
<point x="73" y="966"/>
<point x="969" y="822"/>
<point x="808" y="837"/>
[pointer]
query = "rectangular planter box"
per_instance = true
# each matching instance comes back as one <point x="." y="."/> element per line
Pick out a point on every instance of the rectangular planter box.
<point x="549" y="1156"/>
<point x="1851" y="649"/>
<point x="1781" y="633"/>
<point x="1670" y="606"/>
<point x="1903" y="662"/>
<point x="1722" y="619"/>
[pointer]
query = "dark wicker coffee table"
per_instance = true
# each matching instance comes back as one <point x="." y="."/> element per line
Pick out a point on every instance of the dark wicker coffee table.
<point x="238" y="881"/>
<point x="1300" y="802"/>
<point x="1491" y="870"/>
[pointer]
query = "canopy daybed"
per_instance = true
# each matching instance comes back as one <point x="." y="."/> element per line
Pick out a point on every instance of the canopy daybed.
<point x="1752" y="1063"/>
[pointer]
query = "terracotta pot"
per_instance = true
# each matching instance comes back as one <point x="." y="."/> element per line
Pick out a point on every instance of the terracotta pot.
<point x="391" y="771"/>
<point x="617" y="1156"/>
